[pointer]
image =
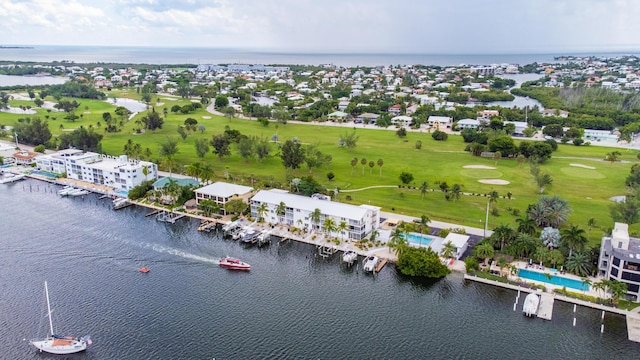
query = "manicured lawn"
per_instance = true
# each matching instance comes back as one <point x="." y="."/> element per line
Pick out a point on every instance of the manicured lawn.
<point x="587" y="190"/>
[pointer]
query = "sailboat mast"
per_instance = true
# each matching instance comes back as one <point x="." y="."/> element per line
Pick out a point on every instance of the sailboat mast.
<point x="46" y="290"/>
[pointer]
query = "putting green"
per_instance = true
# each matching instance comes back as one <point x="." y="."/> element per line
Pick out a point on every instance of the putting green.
<point x="582" y="173"/>
<point x="481" y="173"/>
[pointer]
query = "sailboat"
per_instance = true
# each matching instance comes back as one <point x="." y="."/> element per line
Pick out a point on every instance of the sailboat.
<point x="56" y="344"/>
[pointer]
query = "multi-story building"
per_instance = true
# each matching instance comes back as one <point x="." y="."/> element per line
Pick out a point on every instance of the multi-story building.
<point x="620" y="259"/>
<point x="118" y="172"/>
<point x="360" y="220"/>
<point x="221" y="193"/>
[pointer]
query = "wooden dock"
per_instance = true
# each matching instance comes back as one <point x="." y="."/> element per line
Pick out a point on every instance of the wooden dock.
<point x="153" y="212"/>
<point x="207" y="225"/>
<point x="381" y="265"/>
<point x="545" y="309"/>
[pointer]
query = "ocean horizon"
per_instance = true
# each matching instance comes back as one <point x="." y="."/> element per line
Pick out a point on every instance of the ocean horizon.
<point x="211" y="55"/>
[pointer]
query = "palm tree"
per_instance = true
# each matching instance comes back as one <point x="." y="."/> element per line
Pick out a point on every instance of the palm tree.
<point x="397" y="241"/>
<point x="315" y="216"/>
<point x="363" y="161"/>
<point x="550" y="211"/>
<point x="424" y="223"/>
<point x="281" y="209"/>
<point x="424" y="187"/>
<point x="194" y="170"/>
<point x="556" y="258"/>
<point x="261" y="210"/>
<point x="329" y="225"/>
<point x="456" y="190"/>
<point x="502" y="263"/>
<point x="484" y="251"/>
<point x="612" y="156"/>
<point x="543" y="180"/>
<point x="493" y="197"/>
<point x="591" y="223"/>
<point x="145" y="171"/>
<point x="343" y="226"/>
<point x="380" y="163"/>
<point x="574" y="238"/>
<point x="503" y="234"/>
<point x="448" y="250"/>
<point x="585" y="284"/>
<point x="354" y="162"/>
<point x="599" y="286"/>
<point x="206" y="173"/>
<point x="526" y="225"/>
<point x="579" y="264"/>
<point x="374" y="235"/>
<point x="618" y="289"/>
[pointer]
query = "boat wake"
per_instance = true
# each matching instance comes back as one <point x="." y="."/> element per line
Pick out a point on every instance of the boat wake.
<point x="182" y="254"/>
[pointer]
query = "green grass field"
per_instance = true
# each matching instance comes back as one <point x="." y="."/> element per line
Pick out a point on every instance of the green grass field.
<point x="587" y="190"/>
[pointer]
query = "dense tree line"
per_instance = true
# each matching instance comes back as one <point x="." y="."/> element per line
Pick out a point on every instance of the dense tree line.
<point x="73" y="89"/>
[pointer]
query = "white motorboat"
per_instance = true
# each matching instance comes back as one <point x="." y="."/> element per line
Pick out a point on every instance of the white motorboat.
<point x="531" y="303"/>
<point x="9" y="178"/>
<point x="65" y="190"/>
<point x="234" y="264"/>
<point x="349" y="257"/>
<point x="56" y="344"/>
<point x="369" y="263"/>
<point x="77" y="192"/>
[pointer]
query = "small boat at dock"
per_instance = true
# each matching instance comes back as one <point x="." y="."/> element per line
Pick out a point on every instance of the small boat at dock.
<point x="349" y="257"/>
<point x="531" y="303"/>
<point x="234" y="264"/>
<point x="370" y="263"/>
<point x="9" y="178"/>
<point x="65" y="190"/>
<point x="77" y="192"/>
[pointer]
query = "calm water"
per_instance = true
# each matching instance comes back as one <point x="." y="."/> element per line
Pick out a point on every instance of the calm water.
<point x="292" y="305"/>
<point x="156" y="55"/>
<point x="12" y="80"/>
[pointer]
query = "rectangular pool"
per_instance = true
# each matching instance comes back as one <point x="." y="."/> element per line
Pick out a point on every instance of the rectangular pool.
<point x="418" y="239"/>
<point x="554" y="279"/>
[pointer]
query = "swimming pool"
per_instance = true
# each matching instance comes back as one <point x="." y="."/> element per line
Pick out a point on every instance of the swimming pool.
<point x="418" y="239"/>
<point x="44" y="173"/>
<point x="554" y="279"/>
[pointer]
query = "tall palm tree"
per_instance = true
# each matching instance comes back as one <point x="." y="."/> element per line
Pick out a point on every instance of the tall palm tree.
<point x="380" y="163"/>
<point x="448" y="250"/>
<point x="261" y="210"/>
<point x="526" y="225"/>
<point x="329" y="225"/>
<point x="343" y="226"/>
<point x="579" y="264"/>
<point x="424" y="187"/>
<point x="397" y="241"/>
<point x="485" y="251"/>
<point x="613" y="156"/>
<point x="354" y="162"/>
<point x="574" y="238"/>
<point x="550" y="211"/>
<point x="315" y="216"/>
<point x="363" y="161"/>
<point x="194" y="170"/>
<point x="503" y="234"/>
<point x="206" y="173"/>
<point x="524" y="245"/>
<point x="455" y="193"/>
<point x="281" y="210"/>
<point x="591" y="223"/>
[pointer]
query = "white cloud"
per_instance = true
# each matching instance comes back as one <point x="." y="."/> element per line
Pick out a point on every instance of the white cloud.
<point x="436" y="26"/>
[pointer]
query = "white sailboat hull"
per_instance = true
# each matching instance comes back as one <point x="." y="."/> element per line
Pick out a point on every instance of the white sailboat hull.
<point x="56" y="346"/>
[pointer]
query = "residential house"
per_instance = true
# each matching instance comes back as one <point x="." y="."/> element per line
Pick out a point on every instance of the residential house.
<point x="395" y="109"/>
<point x="367" y="118"/>
<point x="25" y="157"/>
<point x="402" y="121"/>
<point x="221" y="193"/>
<point x="440" y="122"/>
<point x="468" y="124"/>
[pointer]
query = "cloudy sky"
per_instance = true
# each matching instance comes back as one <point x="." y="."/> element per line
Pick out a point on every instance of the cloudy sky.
<point x="380" y="26"/>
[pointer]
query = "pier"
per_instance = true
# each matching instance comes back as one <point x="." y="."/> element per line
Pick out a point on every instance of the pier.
<point x="169" y="216"/>
<point x="381" y="265"/>
<point x="545" y="308"/>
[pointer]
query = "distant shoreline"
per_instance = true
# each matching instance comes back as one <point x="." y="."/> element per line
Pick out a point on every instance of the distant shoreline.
<point x="16" y="47"/>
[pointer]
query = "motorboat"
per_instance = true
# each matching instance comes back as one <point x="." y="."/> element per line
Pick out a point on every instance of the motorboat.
<point x="349" y="257"/>
<point x="144" y="269"/>
<point x="531" y="303"/>
<point x="120" y="203"/>
<point x="234" y="264"/>
<point x="9" y="178"/>
<point x="369" y="263"/>
<point x="250" y="235"/>
<point x="65" y="190"/>
<point x="77" y="192"/>
<point x="57" y="344"/>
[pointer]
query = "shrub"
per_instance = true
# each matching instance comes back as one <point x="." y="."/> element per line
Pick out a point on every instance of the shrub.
<point x="439" y="135"/>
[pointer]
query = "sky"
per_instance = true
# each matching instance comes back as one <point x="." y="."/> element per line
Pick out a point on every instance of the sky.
<point x="352" y="26"/>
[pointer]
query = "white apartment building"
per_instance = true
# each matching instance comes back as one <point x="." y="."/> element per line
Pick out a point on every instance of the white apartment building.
<point x="118" y="172"/>
<point x="360" y="220"/>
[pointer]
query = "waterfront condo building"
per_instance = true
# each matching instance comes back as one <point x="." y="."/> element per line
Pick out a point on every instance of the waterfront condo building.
<point x="620" y="259"/>
<point x="118" y="172"/>
<point x="360" y="220"/>
<point x="221" y="193"/>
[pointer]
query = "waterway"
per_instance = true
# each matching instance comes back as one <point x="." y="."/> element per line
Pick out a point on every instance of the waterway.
<point x="292" y="305"/>
<point x="14" y="80"/>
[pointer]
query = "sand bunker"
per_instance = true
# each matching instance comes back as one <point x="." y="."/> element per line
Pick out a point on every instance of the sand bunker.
<point x="479" y="167"/>
<point x="583" y="166"/>
<point x="206" y="117"/>
<point x="494" y="181"/>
